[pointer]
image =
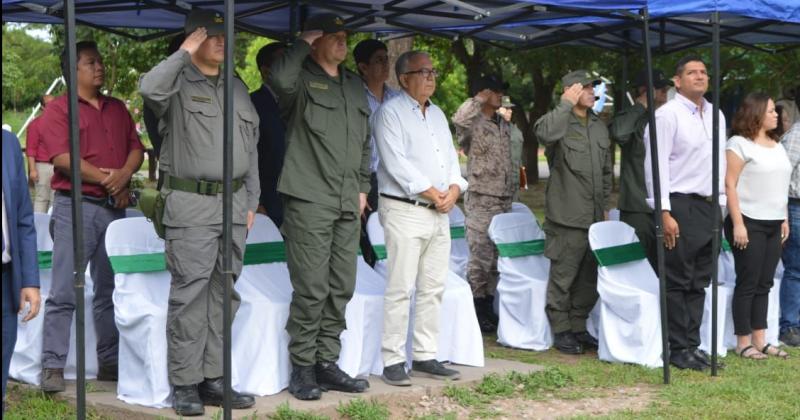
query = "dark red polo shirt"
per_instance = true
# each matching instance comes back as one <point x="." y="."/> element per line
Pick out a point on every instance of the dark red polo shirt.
<point x="107" y="136"/>
<point x="33" y="142"/>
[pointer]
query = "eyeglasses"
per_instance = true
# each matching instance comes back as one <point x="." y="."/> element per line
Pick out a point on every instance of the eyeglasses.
<point x="426" y="73"/>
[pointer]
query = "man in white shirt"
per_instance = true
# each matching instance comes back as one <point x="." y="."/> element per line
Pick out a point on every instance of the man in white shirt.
<point x="419" y="180"/>
<point x="684" y="133"/>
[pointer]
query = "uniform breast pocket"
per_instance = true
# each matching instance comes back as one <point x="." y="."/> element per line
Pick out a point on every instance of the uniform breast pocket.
<point x="320" y="107"/>
<point x="247" y="129"/>
<point x="576" y="154"/>
<point x="201" y="121"/>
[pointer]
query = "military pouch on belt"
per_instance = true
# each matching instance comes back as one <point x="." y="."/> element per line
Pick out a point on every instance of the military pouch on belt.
<point x="152" y="205"/>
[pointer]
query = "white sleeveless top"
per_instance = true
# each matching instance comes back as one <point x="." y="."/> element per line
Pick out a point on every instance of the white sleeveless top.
<point x="763" y="186"/>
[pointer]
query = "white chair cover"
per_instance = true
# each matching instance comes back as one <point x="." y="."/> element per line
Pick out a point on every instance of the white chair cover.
<point x="613" y="214"/>
<point x="724" y="296"/>
<point x="630" y="324"/>
<point x="459" y="249"/>
<point x="517" y="207"/>
<point x="361" y="341"/>
<point x="460" y="339"/>
<point x="140" y="311"/>
<point x="522" y="286"/>
<point x="260" y="343"/>
<point x="26" y="361"/>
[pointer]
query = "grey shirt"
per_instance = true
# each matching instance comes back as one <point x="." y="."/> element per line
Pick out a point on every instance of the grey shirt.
<point x="190" y="111"/>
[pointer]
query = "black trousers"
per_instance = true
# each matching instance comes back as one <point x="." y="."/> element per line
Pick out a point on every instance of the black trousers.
<point x="755" y="271"/>
<point x="688" y="270"/>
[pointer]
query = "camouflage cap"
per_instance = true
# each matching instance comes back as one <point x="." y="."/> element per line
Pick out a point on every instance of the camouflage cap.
<point x="579" y="76"/>
<point x="328" y="23"/>
<point x="209" y="19"/>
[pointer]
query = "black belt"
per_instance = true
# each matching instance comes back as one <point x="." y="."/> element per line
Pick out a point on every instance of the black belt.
<point x="410" y="201"/>
<point x="692" y="196"/>
<point x="100" y="201"/>
<point x="793" y="200"/>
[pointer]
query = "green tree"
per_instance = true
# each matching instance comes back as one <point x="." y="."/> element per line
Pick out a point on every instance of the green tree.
<point x="28" y="68"/>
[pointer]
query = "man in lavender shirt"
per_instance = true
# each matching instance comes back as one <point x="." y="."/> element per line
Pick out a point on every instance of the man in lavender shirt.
<point x="684" y="132"/>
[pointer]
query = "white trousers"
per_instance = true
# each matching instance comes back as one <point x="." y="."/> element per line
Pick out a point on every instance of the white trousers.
<point x="418" y="258"/>
<point x="42" y="192"/>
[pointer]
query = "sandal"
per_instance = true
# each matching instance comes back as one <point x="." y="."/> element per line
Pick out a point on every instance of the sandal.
<point x="750" y="352"/>
<point x="771" y="350"/>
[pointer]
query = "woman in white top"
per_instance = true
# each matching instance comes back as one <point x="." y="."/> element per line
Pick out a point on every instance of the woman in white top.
<point x="757" y="185"/>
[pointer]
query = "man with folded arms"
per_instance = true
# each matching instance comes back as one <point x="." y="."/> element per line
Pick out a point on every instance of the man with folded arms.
<point x="419" y="181"/>
<point x="684" y="132"/>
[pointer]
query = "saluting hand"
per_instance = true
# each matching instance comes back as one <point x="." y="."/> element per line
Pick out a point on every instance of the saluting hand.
<point x="310" y="36"/>
<point x="193" y="41"/>
<point x="573" y="94"/>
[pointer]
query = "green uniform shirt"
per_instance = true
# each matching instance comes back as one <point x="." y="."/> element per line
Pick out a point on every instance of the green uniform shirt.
<point x="627" y="130"/>
<point x="190" y="109"/>
<point x="580" y="166"/>
<point x="327" y="134"/>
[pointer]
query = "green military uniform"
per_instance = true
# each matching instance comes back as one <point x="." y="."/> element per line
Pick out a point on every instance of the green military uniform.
<point x="577" y="194"/>
<point x="190" y="106"/>
<point x="627" y="130"/>
<point x="325" y="168"/>
<point x="517" y="162"/>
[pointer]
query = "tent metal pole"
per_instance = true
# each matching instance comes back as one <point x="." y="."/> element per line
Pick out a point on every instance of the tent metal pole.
<point x="79" y="269"/>
<point x="227" y="208"/>
<point x="651" y="113"/>
<point x="715" y="239"/>
<point x="623" y="84"/>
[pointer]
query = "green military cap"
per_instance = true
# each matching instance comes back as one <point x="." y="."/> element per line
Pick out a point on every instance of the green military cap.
<point x="506" y="102"/>
<point x="579" y="76"/>
<point x="209" y="19"/>
<point x="328" y="23"/>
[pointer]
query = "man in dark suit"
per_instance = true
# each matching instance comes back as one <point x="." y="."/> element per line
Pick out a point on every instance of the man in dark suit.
<point x="20" y="266"/>
<point x="272" y="131"/>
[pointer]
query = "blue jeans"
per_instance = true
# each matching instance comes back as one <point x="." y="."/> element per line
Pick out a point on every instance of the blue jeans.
<point x="790" y="285"/>
<point x="9" y="328"/>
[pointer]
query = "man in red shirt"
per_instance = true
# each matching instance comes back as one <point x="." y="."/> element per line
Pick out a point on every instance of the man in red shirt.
<point x="40" y="170"/>
<point x="110" y="154"/>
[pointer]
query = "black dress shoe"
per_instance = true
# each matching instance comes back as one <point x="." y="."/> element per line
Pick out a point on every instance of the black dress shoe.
<point x="303" y="383"/>
<point x="396" y="375"/>
<point x="330" y="377"/>
<point x="566" y="343"/>
<point x="705" y="358"/>
<point x="211" y="392"/>
<point x="433" y="369"/>
<point x="684" y="359"/>
<point x="186" y="401"/>
<point x="107" y="373"/>
<point x="586" y="340"/>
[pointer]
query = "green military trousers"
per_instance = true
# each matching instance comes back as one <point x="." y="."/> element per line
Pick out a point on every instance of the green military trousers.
<point x="194" y="315"/>
<point x="572" y="287"/>
<point x="645" y="230"/>
<point x="321" y="251"/>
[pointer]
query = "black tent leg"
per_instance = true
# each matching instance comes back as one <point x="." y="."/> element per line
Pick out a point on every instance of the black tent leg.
<point x="227" y="208"/>
<point x="79" y="270"/>
<point x="716" y="76"/>
<point x="648" y="60"/>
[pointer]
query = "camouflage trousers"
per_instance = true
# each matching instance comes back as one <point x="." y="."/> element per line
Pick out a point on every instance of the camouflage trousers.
<point x="482" y="266"/>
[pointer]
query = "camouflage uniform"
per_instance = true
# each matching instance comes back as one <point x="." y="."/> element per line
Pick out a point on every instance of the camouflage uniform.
<point x="493" y="180"/>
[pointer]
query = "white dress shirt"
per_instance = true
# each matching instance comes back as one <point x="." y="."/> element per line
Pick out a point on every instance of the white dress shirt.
<point x="416" y="150"/>
<point x="684" y="135"/>
<point x="374" y="104"/>
<point x="6" y="241"/>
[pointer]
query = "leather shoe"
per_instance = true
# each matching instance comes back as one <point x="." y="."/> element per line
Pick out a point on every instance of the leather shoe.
<point x="330" y="377"/>
<point x="433" y="369"/>
<point x="586" y="340"/>
<point x="53" y="380"/>
<point x="791" y="337"/>
<point x="303" y="383"/>
<point x="108" y="373"/>
<point x="396" y="375"/>
<point x="705" y="358"/>
<point x="566" y="343"/>
<point x="684" y="359"/>
<point x="212" y="391"/>
<point x="186" y="401"/>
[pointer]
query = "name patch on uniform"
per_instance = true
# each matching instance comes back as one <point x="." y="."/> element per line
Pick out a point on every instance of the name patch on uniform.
<point x="317" y="85"/>
<point x="203" y="99"/>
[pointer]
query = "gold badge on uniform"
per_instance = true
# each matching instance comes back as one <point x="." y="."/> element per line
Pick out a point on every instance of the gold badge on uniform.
<point x="203" y="99"/>
<point x="317" y="85"/>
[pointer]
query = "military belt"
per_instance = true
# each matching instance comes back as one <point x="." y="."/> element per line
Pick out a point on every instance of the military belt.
<point x="199" y="187"/>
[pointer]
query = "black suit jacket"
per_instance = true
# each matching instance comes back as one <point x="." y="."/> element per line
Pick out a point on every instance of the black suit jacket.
<point x="271" y="149"/>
